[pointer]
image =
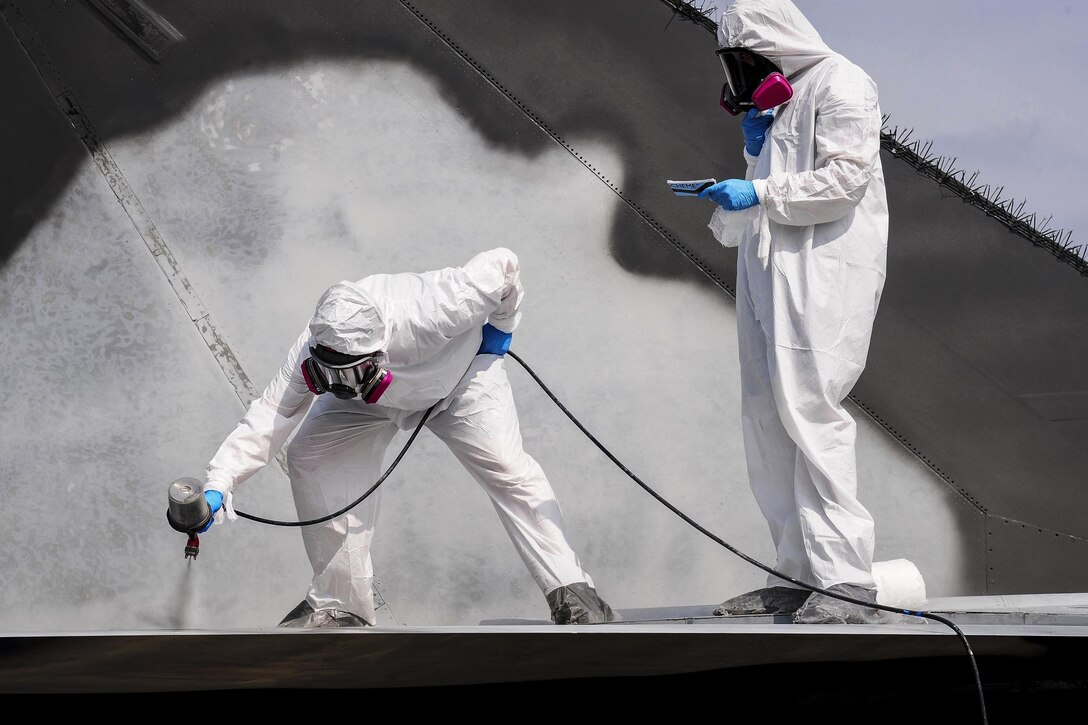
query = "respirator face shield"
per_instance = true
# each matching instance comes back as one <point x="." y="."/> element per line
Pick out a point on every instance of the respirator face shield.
<point x="751" y="81"/>
<point x="346" y="376"/>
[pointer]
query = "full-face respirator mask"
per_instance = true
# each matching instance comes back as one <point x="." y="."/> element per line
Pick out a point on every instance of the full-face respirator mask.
<point x="751" y="81"/>
<point x="346" y="376"/>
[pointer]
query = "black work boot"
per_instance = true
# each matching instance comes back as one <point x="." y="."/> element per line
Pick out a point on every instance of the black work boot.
<point x="578" y="603"/>
<point x="771" y="600"/>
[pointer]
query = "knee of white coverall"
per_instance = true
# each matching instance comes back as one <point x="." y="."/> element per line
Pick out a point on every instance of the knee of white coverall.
<point x="809" y="388"/>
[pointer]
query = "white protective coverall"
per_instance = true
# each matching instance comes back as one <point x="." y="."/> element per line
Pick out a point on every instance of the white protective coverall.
<point x="430" y="326"/>
<point x="810" y="271"/>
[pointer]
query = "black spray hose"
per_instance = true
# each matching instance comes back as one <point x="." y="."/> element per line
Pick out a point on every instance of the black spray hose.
<point x="357" y="501"/>
<point x="687" y="519"/>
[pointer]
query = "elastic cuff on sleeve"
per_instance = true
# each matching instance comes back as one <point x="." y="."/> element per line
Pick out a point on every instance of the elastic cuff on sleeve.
<point x="222" y="488"/>
<point x="507" y="325"/>
<point x="760" y="185"/>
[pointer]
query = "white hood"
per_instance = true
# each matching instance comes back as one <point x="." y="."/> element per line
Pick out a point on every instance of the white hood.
<point x="775" y="29"/>
<point x="350" y="320"/>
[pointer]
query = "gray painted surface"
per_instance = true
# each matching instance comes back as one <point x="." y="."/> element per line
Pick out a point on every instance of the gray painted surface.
<point x="276" y="154"/>
<point x="1011" y="603"/>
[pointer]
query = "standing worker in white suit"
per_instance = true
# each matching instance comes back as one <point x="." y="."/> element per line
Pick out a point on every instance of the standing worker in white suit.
<point x="811" y="266"/>
<point x="375" y="356"/>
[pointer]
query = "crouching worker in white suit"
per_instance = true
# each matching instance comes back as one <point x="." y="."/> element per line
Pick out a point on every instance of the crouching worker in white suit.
<point x="376" y="355"/>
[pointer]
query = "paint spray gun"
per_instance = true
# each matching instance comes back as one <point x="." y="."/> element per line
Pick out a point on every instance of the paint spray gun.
<point x="188" y="512"/>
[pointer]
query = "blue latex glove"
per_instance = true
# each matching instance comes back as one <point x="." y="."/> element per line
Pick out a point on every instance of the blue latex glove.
<point x="496" y="342"/>
<point x="215" y="502"/>
<point x="732" y="194"/>
<point x="754" y="126"/>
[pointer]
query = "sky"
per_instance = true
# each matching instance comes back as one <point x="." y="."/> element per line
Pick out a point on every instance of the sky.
<point x="995" y="83"/>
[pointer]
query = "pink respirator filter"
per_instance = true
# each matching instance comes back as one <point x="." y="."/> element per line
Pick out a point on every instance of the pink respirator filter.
<point x="387" y="379"/>
<point x="773" y="91"/>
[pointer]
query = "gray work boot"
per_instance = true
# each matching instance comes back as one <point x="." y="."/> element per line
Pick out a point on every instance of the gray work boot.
<point x="304" y="616"/>
<point x="772" y="600"/>
<point x="821" y="609"/>
<point x="578" y="603"/>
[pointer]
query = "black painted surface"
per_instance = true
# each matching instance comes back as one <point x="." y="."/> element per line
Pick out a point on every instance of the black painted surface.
<point x="904" y="692"/>
<point x="1023" y="558"/>
<point x="972" y="319"/>
<point x="395" y="658"/>
<point x="40" y="152"/>
<point x="907" y="692"/>
<point x="815" y="678"/>
<point x="146" y="29"/>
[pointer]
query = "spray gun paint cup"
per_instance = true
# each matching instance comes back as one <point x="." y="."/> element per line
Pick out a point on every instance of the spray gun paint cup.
<point x="188" y="511"/>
